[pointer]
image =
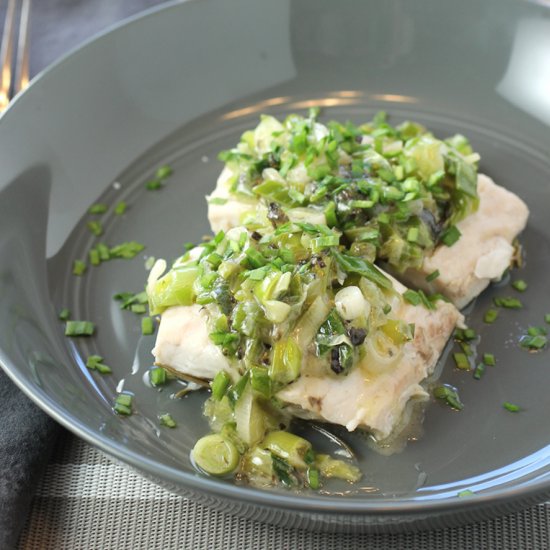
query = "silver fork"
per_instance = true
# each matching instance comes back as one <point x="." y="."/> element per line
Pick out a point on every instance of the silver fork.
<point x="13" y="79"/>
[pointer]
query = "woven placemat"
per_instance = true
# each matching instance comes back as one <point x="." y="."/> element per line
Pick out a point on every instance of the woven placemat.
<point x="86" y="501"/>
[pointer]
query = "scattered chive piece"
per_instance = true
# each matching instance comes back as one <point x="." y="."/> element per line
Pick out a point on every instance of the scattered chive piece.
<point x="123" y="404"/>
<point x="461" y="361"/>
<point x="432" y="276"/>
<point x="98" y="208"/>
<point x="490" y="315"/>
<point x="79" y="267"/>
<point x="537" y="331"/>
<point x="103" y="369"/>
<point x="157" y="376"/>
<point x="509" y="303"/>
<point x="94" y="362"/>
<point x="95" y="227"/>
<point x="465" y="335"/>
<point x="153" y="185"/>
<point x="167" y="420"/>
<point x="147" y="326"/>
<point x="489" y="359"/>
<point x="103" y="251"/>
<point x="138" y="308"/>
<point x="125" y="250"/>
<point x="534" y="342"/>
<point x="94" y="257"/>
<point x="313" y="478"/>
<point x="449" y="395"/>
<point x="64" y="314"/>
<point x="79" y="328"/>
<point x="465" y="493"/>
<point x="547" y="318"/>
<point x="479" y="371"/>
<point x="511" y="407"/>
<point x="520" y="285"/>
<point x="163" y="172"/>
<point x="120" y="208"/>
<point x="466" y="348"/>
<point x="450" y="236"/>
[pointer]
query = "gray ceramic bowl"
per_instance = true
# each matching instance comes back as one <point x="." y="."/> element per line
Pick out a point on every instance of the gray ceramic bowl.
<point x="181" y="83"/>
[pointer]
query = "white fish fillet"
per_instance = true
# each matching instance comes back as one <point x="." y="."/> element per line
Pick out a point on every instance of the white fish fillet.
<point x="482" y="253"/>
<point x="372" y="400"/>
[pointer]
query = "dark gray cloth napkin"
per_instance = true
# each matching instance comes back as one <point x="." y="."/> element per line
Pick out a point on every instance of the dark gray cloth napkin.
<point x="28" y="435"/>
<point x="27" y="439"/>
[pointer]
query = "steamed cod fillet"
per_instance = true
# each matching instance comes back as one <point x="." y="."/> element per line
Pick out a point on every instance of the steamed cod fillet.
<point x="481" y="255"/>
<point x="370" y="398"/>
<point x="483" y="252"/>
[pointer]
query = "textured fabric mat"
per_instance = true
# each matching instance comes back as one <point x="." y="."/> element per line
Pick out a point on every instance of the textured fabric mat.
<point x="86" y="501"/>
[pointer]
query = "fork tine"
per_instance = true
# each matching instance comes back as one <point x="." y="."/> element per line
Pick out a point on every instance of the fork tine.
<point x="22" y="62"/>
<point x="6" y="50"/>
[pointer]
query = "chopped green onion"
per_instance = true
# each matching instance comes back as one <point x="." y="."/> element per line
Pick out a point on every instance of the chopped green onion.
<point x="147" y="326"/>
<point x="95" y="227"/>
<point x="313" y="478"/>
<point x="138" y="308"/>
<point x="537" y="331"/>
<point x="412" y="297"/>
<point x="220" y="384"/>
<point x="255" y="258"/>
<point x="79" y="328"/>
<point x="520" y="285"/>
<point x="449" y="395"/>
<point x="361" y="204"/>
<point x="260" y="381"/>
<point x="490" y="315"/>
<point x="167" y="420"/>
<point x="351" y="264"/>
<point x="330" y="214"/>
<point x="93" y="255"/>
<point x="547" y="318"/>
<point x="64" y="314"/>
<point x="95" y="362"/>
<point x="153" y="185"/>
<point x="479" y="371"/>
<point x="511" y="407"/>
<point x="216" y="455"/>
<point x="461" y="361"/>
<point x="79" y="267"/>
<point x="412" y="235"/>
<point x="123" y="404"/>
<point x="104" y="252"/>
<point x="465" y="493"/>
<point x="325" y="242"/>
<point x="432" y="276"/>
<point x="509" y="303"/>
<point x="120" y="208"/>
<point x="125" y="250"/>
<point x="98" y="208"/>
<point x="163" y="172"/>
<point x="157" y="376"/>
<point x="489" y="359"/>
<point x="450" y="236"/>
<point x="534" y="342"/>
